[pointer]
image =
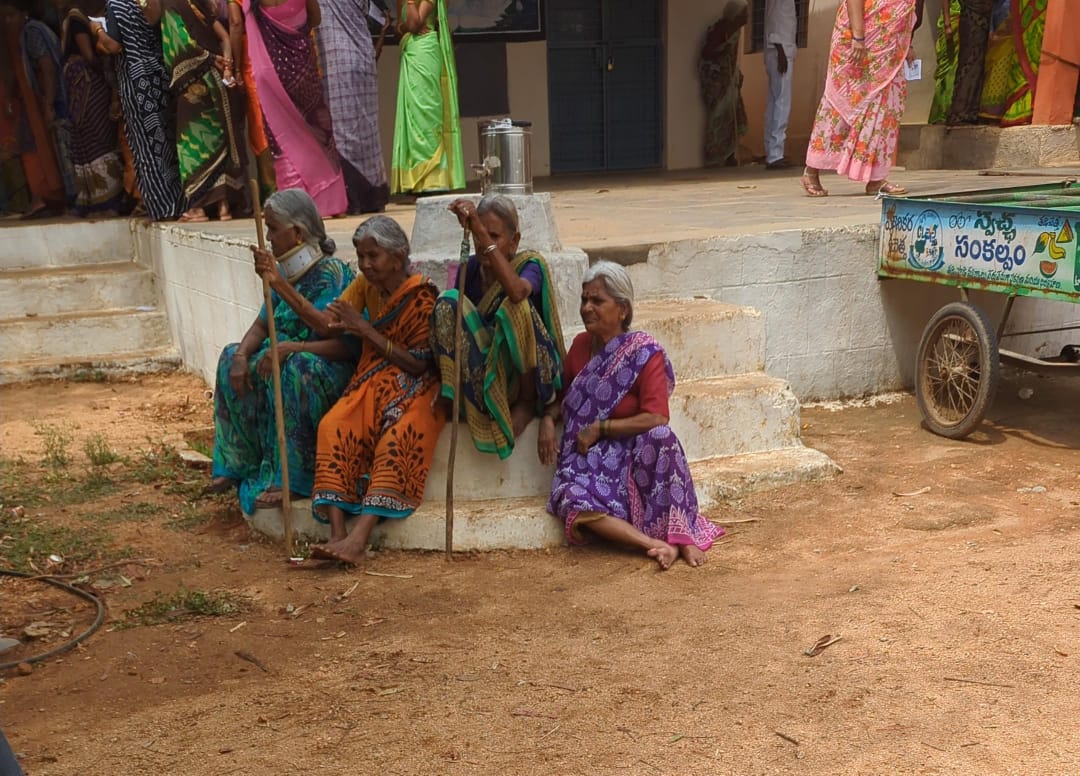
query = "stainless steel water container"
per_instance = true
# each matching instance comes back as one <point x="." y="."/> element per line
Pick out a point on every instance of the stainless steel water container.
<point x="505" y="156"/>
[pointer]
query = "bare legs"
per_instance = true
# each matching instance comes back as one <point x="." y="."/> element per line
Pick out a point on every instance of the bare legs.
<point x="523" y="410"/>
<point x="811" y="182"/>
<point x="621" y="532"/>
<point x="348" y="547"/>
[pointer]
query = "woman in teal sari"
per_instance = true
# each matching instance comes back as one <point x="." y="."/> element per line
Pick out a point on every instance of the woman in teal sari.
<point x="427" y="131"/>
<point x="314" y="370"/>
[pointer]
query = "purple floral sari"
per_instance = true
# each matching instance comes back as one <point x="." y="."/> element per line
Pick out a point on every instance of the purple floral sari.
<point x="644" y="480"/>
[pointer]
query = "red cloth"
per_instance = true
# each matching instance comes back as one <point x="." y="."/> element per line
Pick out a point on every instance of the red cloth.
<point x="648" y="393"/>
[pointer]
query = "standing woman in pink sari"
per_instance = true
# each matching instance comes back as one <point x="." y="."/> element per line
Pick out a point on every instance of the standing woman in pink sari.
<point x="298" y="125"/>
<point x="858" y="122"/>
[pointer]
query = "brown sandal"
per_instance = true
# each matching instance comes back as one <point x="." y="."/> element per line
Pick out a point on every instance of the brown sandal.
<point x="812" y="186"/>
<point x="892" y="189"/>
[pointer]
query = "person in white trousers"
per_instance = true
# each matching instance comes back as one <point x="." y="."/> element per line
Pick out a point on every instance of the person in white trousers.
<point x="781" y="27"/>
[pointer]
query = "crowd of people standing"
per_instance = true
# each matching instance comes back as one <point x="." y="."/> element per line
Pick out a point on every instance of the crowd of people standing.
<point x="166" y="108"/>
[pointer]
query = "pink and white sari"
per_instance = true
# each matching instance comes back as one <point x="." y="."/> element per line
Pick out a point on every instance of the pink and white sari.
<point x="858" y="121"/>
<point x="298" y="125"/>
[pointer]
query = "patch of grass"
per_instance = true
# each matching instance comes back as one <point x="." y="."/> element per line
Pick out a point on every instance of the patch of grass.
<point x="201" y="441"/>
<point x="18" y="483"/>
<point x="184" y="603"/>
<point x="89" y="376"/>
<point x="31" y="539"/>
<point x="131" y="513"/>
<point x="98" y="452"/>
<point x="192" y="515"/>
<point x="55" y="442"/>
<point x="158" y="462"/>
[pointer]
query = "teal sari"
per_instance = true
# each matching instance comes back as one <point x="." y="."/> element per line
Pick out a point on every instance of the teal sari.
<point x="427" y="153"/>
<point x="245" y="434"/>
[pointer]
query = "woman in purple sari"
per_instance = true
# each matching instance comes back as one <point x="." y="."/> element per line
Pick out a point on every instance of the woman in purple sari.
<point x="621" y="473"/>
<point x="298" y="125"/>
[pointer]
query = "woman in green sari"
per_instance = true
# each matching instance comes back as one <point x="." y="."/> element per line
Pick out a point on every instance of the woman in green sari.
<point x="210" y="140"/>
<point x="511" y="367"/>
<point x="427" y="131"/>
<point x="1012" y="65"/>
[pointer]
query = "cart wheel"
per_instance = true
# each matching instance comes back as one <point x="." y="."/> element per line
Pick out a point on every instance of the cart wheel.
<point x="956" y="373"/>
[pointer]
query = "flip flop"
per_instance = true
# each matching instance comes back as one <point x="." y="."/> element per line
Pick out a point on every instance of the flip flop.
<point x="813" y="188"/>
<point x="893" y="189"/>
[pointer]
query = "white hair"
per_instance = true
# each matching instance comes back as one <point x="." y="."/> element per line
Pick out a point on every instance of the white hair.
<point x="617" y="282"/>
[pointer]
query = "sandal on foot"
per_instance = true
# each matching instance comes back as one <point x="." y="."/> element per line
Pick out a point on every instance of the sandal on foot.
<point x="812" y="186"/>
<point x="893" y="189"/>
<point x="219" y="485"/>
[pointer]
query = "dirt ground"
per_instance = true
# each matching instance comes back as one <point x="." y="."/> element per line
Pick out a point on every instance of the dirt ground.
<point x="957" y="604"/>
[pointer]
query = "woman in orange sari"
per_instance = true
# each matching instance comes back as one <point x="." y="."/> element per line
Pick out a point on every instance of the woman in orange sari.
<point x="376" y="444"/>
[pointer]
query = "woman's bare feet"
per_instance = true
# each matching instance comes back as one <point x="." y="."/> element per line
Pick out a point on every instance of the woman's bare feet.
<point x="196" y="214"/>
<point x="339" y="551"/>
<point x="664" y="554"/>
<point x="692" y="555"/>
<point x="224" y="213"/>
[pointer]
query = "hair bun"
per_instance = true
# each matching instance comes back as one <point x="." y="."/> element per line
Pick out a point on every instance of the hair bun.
<point x="327" y="245"/>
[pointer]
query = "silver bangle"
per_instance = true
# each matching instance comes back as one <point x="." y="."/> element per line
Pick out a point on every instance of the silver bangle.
<point x="490" y="249"/>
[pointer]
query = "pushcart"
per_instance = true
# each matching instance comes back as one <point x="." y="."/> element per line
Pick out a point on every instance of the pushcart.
<point x="1019" y="241"/>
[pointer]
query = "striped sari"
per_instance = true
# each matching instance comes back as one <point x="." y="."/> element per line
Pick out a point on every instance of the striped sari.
<point x="503" y="341"/>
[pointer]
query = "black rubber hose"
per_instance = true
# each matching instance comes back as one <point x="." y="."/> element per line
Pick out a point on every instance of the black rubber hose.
<point x="98" y="620"/>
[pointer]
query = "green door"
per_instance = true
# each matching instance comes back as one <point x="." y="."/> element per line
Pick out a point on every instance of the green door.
<point x="604" y="65"/>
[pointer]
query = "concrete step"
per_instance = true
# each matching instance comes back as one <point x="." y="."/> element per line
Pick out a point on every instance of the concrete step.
<point x="734" y="415"/>
<point x="724" y="478"/>
<point x="478" y="525"/>
<point x="56" y="290"/>
<point x="719" y="416"/>
<point x="703" y="337"/>
<point x="524" y="523"/>
<point x="91" y="368"/>
<point x="63" y="244"/>
<point x="82" y="335"/>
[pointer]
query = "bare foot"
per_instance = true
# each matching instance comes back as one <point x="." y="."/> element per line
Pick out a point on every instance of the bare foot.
<point x="692" y="555"/>
<point x="338" y="551"/>
<point x="521" y="415"/>
<point x="664" y="554"/>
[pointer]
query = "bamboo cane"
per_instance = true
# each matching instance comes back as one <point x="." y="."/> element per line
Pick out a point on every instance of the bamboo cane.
<point x="454" y="413"/>
<point x="279" y="415"/>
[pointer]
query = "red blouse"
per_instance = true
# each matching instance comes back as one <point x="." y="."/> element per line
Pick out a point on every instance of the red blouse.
<point x="647" y="394"/>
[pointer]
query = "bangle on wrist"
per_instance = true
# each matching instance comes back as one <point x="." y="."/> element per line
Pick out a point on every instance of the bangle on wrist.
<point x="857" y="39"/>
<point x="490" y="249"/>
<point x="238" y="354"/>
<point x="389" y="349"/>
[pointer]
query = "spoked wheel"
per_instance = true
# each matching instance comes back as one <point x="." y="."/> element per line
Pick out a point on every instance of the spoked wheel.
<point x="956" y="372"/>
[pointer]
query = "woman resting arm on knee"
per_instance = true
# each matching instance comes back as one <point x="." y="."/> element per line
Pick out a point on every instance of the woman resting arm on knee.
<point x="621" y="473"/>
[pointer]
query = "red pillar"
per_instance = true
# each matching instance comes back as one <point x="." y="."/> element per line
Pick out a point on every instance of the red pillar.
<point x="1059" y="66"/>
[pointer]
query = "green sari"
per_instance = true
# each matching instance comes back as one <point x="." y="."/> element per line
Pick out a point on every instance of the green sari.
<point x="502" y="341"/>
<point x="211" y="152"/>
<point x="947" y="50"/>
<point x="1012" y="65"/>
<point x="427" y="131"/>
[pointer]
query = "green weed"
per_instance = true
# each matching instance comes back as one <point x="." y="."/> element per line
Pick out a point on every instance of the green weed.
<point x="190" y="517"/>
<point x="158" y="462"/>
<point x="184" y="603"/>
<point x="98" y="452"/>
<point x="55" y="442"/>
<point x="17" y="483"/>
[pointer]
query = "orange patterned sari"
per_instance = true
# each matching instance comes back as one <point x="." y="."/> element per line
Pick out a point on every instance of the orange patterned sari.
<point x="375" y="446"/>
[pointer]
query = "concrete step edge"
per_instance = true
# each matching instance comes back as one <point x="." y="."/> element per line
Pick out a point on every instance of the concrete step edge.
<point x="75" y="315"/>
<point x="103" y="365"/>
<point x="102" y="268"/>
<point x="725" y="478"/>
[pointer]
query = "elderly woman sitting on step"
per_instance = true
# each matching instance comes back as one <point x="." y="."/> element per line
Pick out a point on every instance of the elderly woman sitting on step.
<point x="512" y="365"/>
<point x="621" y="473"/>
<point x="376" y="444"/>
<point x="305" y="278"/>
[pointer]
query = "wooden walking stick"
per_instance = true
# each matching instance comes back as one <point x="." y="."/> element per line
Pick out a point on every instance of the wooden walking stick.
<point x="279" y="413"/>
<point x="455" y="412"/>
